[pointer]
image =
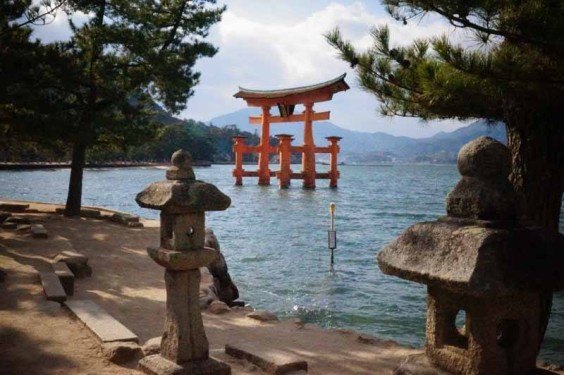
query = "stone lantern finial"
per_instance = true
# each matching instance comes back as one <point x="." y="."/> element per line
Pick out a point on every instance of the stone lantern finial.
<point x="484" y="191"/>
<point x="181" y="168"/>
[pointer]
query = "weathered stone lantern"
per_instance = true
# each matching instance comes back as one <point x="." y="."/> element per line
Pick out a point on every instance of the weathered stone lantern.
<point x="183" y="201"/>
<point x="479" y="260"/>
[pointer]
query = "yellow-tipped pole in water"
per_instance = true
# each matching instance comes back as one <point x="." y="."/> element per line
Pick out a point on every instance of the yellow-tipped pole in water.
<point x="332" y="233"/>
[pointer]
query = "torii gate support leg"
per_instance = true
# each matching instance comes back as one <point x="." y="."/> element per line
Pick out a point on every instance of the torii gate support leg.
<point x="308" y="155"/>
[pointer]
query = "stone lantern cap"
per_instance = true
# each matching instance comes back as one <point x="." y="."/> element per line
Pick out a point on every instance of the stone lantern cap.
<point x="181" y="192"/>
<point x="479" y="248"/>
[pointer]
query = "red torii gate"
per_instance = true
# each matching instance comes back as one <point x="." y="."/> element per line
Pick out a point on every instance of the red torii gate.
<point x="286" y="101"/>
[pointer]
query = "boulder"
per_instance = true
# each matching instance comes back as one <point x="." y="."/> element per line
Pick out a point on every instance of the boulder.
<point x="218" y="307"/>
<point x="121" y="352"/>
<point x="152" y="346"/>
<point x="78" y="263"/>
<point x="226" y="290"/>
<point x="262" y="316"/>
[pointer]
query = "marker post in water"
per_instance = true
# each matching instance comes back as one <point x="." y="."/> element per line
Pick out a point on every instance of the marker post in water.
<point x="332" y="233"/>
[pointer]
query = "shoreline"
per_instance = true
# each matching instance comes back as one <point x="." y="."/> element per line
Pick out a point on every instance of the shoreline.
<point x="134" y="298"/>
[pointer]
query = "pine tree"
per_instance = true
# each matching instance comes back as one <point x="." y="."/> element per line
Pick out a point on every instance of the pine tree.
<point x="516" y="76"/>
<point x="104" y="79"/>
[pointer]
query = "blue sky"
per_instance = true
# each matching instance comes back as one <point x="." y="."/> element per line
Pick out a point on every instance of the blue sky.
<point x="268" y="44"/>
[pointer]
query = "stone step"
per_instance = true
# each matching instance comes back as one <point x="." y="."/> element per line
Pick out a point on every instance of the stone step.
<point x="14" y="207"/>
<point x="4" y="216"/>
<point x="268" y="359"/>
<point x="52" y="287"/>
<point x="38" y="231"/>
<point x="102" y="324"/>
<point x="66" y="277"/>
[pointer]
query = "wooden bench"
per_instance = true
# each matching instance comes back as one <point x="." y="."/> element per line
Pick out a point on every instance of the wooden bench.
<point x="52" y="287"/>
<point x="66" y="277"/>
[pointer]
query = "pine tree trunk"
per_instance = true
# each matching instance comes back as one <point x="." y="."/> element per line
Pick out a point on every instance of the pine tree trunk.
<point x="74" y="198"/>
<point x="535" y="138"/>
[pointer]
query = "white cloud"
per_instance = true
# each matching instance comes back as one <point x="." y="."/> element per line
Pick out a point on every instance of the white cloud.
<point x="277" y="52"/>
<point x="276" y="44"/>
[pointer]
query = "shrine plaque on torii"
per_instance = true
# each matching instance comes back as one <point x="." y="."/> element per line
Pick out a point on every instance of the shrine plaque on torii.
<point x="286" y="100"/>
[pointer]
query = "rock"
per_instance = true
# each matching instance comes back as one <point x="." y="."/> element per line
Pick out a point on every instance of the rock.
<point x="133" y="224"/>
<point x="121" y="352"/>
<point x="38" y="231"/>
<point x="3" y="275"/>
<point x="263" y="316"/>
<point x="226" y="290"/>
<point x="4" y="216"/>
<point x="299" y="323"/>
<point x="18" y="220"/>
<point x="78" y="263"/>
<point x="152" y="346"/>
<point x="218" y="307"/>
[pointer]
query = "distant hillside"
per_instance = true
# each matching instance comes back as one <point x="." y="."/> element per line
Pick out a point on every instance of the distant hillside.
<point x="364" y="147"/>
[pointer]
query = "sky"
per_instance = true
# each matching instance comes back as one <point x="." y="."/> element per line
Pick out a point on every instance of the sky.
<point x="272" y="44"/>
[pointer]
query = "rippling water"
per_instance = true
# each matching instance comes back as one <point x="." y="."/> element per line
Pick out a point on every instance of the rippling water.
<point x="275" y="241"/>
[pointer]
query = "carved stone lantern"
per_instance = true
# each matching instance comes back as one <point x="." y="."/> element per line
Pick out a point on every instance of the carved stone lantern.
<point x="479" y="260"/>
<point x="183" y="201"/>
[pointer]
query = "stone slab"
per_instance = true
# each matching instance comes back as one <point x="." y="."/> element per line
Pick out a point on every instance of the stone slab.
<point x="123" y="218"/>
<point x="13" y="207"/>
<point x="157" y="365"/>
<point x="90" y="213"/>
<point x="9" y="225"/>
<point x="66" y="277"/>
<point x="102" y="324"/>
<point x="269" y="359"/>
<point x="52" y="287"/>
<point x="4" y="216"/>
<point x="39" y="231"/>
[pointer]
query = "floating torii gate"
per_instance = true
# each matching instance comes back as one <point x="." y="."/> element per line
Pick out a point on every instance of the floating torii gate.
<point x="286" y="101"/>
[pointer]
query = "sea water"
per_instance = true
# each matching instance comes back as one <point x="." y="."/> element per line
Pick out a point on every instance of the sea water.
<point x="275" y="241"/>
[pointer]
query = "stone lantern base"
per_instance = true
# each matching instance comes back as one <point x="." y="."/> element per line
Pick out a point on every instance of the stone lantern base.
<point x="500" y="334"/>
<point x="158" y="365"/>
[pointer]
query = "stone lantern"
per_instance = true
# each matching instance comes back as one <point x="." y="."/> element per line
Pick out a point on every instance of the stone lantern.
<point x="183" y="201"/>
<point x="480" y="261"/>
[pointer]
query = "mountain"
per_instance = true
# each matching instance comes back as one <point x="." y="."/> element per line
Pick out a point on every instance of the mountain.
<point x="364" y="147"/>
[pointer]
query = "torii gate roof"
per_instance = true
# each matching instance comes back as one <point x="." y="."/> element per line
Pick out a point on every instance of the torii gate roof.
<point x="298" y="95"/>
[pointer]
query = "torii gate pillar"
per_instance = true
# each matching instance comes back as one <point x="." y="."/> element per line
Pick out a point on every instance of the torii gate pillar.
<point x="308" y="155"/>
<point x="264" y="147"/>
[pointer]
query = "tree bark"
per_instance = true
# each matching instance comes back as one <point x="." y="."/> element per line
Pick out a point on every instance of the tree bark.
<point x="74" y="197"/>
<point x="535" y="138"/>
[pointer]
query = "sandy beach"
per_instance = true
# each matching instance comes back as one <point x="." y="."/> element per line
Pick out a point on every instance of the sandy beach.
<point x="40" y="337"/>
